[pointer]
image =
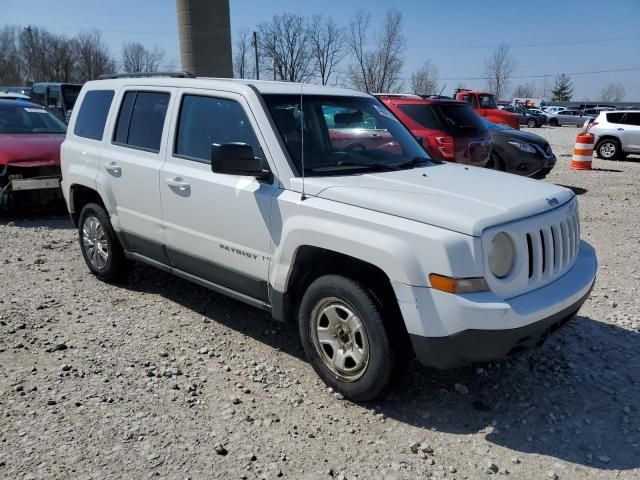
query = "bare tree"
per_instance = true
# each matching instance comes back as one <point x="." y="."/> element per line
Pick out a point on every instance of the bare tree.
<point x="524" y="90"/>
<point x="137" y="58"/>
<point x="242" y="57"/>
<point x="327" y="46"/>
<point x="63" y="57"/>
<point x="498" y="68"/>
<point x="377" y="69"/>
<point x="285" y="48"/>
<point x="93" y="57"/>
<point x="10" y="65"/>
<point x="613" y="92"/>
<point x="425" y="80"/>
<point x="33" y="51"/>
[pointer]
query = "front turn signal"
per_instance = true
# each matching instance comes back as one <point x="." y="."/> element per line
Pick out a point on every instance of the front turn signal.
<point x="458" y="285"/>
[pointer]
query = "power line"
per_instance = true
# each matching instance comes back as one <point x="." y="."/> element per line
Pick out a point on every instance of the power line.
<point x="524" y="45"/>
<point x="626" y="69"/>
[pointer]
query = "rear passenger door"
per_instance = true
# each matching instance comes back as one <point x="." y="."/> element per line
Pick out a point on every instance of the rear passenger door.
<point x="629" y="130"/>
<point x="217" y="226"/>
<point x="131" y="168"/>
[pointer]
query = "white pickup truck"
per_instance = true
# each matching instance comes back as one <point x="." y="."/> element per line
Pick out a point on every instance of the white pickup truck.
<point x="317" y="205"/>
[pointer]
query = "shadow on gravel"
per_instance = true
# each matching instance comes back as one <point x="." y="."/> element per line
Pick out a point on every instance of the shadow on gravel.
<point x="53" y="217"/>
<point x="576" y="190"/>
<point x="564" y="400"/>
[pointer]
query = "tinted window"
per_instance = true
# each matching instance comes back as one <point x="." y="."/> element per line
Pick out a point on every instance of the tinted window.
<point x="70" y="94"/>
<point x="425" y="115"/>
<point x="632" y="118"/>
<point x="204" y="121"/>
<point x="141" y="120"/>
<point x="93" y="114"/>
<point x="487" y="101"/>
<point x="615" y="117"/>
<point x="459" y="117"/>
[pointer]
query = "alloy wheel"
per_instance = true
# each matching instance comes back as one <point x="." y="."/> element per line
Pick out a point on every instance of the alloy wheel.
<point x="94" y="242"/>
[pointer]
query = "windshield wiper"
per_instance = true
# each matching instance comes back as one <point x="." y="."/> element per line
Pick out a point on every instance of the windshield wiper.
<point x="416" y="161"/>
<point x="352" y="163"/>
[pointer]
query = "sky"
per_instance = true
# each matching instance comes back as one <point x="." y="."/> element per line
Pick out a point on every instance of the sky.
<point x="547" y="37"/>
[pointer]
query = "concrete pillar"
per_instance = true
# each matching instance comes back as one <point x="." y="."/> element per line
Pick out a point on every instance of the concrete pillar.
<point x="205" y="37"/>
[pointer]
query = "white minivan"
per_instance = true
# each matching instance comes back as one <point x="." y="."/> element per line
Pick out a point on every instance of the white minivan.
<point x="317" y="205"/>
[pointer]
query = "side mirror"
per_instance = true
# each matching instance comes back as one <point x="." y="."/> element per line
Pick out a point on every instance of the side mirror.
<point x="237" y="159"/>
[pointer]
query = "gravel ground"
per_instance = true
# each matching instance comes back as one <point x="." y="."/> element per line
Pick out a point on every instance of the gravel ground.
<point x="161" y="378"/>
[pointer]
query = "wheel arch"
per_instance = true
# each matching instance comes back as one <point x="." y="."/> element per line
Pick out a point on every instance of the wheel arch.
<point x="79" y="196"/>
<point x="311" y="262"/>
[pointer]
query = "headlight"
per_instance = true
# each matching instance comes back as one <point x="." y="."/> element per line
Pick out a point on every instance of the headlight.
<point x="523" y="147"/>
<point x="501" y="255"/>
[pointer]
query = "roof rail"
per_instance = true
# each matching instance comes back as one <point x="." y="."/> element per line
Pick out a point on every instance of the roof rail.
<point x="181" y="74"/>
<point x="399" y="95"/>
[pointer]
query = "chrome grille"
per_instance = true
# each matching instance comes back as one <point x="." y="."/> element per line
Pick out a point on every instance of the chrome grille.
<point x="552" y="248"/>
<point x="546" y="247"/>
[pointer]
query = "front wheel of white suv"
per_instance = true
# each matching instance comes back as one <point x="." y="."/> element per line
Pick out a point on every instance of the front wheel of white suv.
<point x="345" y="338"/>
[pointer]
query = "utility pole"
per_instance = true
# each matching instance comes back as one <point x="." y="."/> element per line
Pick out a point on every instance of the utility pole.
<point x="274" y="56"/>
<point x="255" y="51"/>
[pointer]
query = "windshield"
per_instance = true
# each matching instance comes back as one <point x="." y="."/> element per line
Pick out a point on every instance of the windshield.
<point x="487" y="101"/>
<point x="342" y="135"/>
<point x="20" y="118"/>
<point x="70" y="94"/>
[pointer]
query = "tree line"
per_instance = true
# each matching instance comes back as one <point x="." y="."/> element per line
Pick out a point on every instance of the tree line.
<point x="33" y="54"/>
<point x="288" y="47"/>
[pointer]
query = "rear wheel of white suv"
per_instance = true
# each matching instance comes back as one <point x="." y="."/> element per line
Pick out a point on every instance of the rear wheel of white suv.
<point x="100" y="247"/>
<point x="345" y="337"/>
<point x="609" y="149"/>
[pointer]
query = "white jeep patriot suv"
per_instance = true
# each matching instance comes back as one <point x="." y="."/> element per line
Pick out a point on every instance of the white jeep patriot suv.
<point x="317" y="205"/>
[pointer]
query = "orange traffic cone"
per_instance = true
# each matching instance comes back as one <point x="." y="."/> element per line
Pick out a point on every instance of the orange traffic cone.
<point x="582" y="152"/>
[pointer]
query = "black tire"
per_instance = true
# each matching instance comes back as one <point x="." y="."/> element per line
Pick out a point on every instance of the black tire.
<point x="383" y="358"/>
<point x="116" y="267"/>
<point x="609" y="149"/>
<point x="553" y="122"/>
<point x="531" y="123"/>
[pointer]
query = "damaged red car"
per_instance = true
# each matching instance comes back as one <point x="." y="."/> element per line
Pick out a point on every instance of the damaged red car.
<point x="30" y="139"/>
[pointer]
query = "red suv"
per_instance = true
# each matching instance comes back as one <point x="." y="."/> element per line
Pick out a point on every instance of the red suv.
<point x="450" y="130"/>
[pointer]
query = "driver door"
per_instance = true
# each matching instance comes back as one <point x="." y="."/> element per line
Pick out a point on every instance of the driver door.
<point x="217" y="226"/>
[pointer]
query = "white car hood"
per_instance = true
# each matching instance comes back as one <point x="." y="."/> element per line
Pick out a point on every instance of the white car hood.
<point x="461" y="198"/>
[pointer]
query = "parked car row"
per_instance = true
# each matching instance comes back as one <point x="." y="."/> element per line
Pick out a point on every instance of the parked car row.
<point x="59" y="98"/>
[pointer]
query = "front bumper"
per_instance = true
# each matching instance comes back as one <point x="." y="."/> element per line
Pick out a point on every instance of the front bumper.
<point x="472" y="346"/>
<point x="448" y="331"/>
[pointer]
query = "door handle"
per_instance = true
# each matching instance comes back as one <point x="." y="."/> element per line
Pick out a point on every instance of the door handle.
<point x="113" y="167"/>
<point x="374" y="136"/>
<point x="178" y="183"/>
<point x="620" y="129"/>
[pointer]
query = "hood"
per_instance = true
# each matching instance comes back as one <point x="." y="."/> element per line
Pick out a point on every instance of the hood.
<point x="464" y="199"/>
<point x="30" y="149"/>
<point x="521" y="136"/>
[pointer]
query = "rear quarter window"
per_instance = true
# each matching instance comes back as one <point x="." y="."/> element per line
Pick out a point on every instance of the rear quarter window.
<point x="422" y="114"/>
<point x="93" y="113"/>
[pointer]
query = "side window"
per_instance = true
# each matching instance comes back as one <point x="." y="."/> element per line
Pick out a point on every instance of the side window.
<point x="633" y="118"/>
<point x="141" y="120"/>
<point x="93" y="114"/>
<point x="338" y="118"/>
<point x="54" y="99"/>
<point x="615" y="117"/>
<point x="204" y="121"/>
<point x="422" y="114"/>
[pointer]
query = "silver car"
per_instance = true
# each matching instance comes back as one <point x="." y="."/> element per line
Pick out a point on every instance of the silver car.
<point x="567" y="117"/>
<point x="616" y="133"/>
